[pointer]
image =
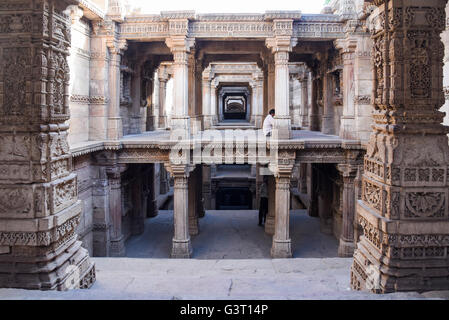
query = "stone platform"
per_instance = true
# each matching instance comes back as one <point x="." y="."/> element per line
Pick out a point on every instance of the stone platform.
<point x="220" y="268"/>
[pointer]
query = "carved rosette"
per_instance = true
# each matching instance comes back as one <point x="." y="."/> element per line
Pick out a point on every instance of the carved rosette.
<point x="404" y="185"/>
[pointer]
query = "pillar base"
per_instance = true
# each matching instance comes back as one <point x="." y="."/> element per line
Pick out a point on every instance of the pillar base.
<point x="258" y="121"/>
<point x="328" y="125"/>
<point x="281" y="249"/>
<point x="269" y="225"/>
<point x="67" y="267"/>
<point x="181" y="249"/>
<point x="207" y="122"/>
<point x="181" y="123"/>
<point x="282" y="127"/>
<point x="345" y="248"/>
<point x="117" y="248"/>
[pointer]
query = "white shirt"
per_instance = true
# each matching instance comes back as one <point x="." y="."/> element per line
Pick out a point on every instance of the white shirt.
<point x="268" y="124"/>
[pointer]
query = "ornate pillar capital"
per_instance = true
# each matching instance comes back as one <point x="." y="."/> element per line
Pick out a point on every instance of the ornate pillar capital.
<point x="75" y="12"/>
<point x="117" y="47"/>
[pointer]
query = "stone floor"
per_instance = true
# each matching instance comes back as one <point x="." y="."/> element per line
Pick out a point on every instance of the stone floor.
<point x="232" y="235"/>
<point x="231" y="261"/>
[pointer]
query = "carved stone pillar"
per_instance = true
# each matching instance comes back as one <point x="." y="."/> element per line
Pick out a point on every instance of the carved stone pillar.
<point x="163" y="78"/>
<point x="193" y="203"/>
<point x="404" y="206"/>
<point x="314" y="117"/>
<point x="207" y="114"/>
<point x="152" y="208"/>
<point x="213" y="102"/>
<point x="39" y="206"/>
<point x="117" y="248"/>
<point x="199" y="193"/>
<point x="138" y="216"/>
<point x="323" y="194"/>
<point x="136" y="81"/>
<point x="302" y="178"/>
<point x="180" y="45"/>
<point x="347" y="50"/>
<point x="101" y="216"/>
<point x="164" y="188"/>
<point x="282" y="121"/>
<point x="312" y="190"/>
<point x="281" y="45"/>
<point x="181" y="247"/>
<point x="257" y="100"/>
<point x="207" y="188"/>
<point x="346" y="242"/>
<point x="304" y="109"/>
<point x="328" y="106"/>
<point x="116" y="49"/>
<point x="269" y="219"/>
<point x="270" y="84"/>
<point x="281" y="239"/>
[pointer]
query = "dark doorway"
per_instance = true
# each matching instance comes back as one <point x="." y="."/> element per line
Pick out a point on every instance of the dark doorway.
<point x="234" y="199"/>
<point x="234" y="106"/>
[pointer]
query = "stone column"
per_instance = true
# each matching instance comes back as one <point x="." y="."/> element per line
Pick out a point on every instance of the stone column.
<point x="304" y="109"/>
<point x="269" y="219"/>
<point x="207" y="187"/>
<point x="323" y="194"/>
<point x="101" y="217"/>
<point x="346" y="242"/>
<point x="207" y="114"/>
<point x="180" y="45"/>
<point x="213" y="102"/>
<point x="114" y="173"/>
<point x="312" y="189"/>
<point x="152" y="208"/>
<point x="281" y="239"/>
<point x="39" y="206"/>
<point x="162" y="80"/>
<point x="328" y="106"/>
<point x="270" y="85"/>
<point x="116" y="49"/>
<point x="199" y="193"/>
<point x="281" y="247"/>
<point x="137" y="192"/>
<point x="164" y="188"/>
<point x="302" y="178"/>
<point x="313" y="114"/>
<point x="404" y="206"/>
<point x="281" y="47"/>
<point x="347" y="50"/>
<point x="136" y="82"/>
<point x="257" y="100"/>
<point x="181" y="247"/>
<point x="193" y="204"/>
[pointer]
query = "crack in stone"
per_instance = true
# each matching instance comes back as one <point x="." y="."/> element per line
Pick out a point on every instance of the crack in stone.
<point x="230" y="288"/>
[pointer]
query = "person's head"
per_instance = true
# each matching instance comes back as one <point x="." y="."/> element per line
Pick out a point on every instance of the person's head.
<point x="271" y="112"/>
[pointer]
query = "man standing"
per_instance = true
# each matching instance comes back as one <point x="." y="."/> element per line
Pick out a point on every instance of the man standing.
<point x="268" y="123"/>
<point x="263" y="206"/>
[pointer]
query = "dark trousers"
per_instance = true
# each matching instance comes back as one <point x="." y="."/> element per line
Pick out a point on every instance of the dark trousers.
<point x="263" y="210"/>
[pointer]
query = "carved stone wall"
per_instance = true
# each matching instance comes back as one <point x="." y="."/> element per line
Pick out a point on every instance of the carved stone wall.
<point x="39" y="206"/>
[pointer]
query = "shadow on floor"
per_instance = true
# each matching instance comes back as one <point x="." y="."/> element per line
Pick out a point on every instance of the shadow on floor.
<point x="232" y="235"/>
